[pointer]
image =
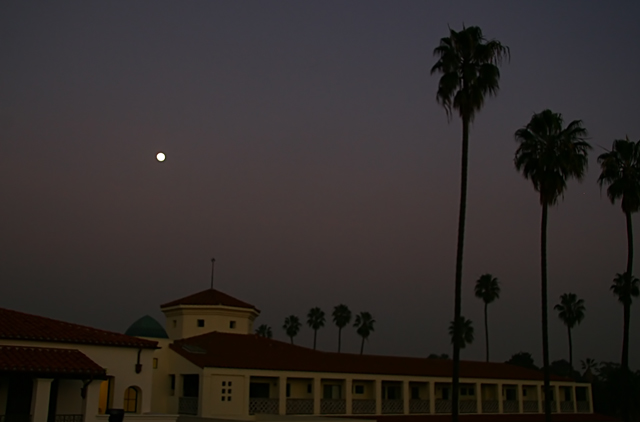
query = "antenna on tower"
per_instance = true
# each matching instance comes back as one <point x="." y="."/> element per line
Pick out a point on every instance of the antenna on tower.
<point x="213" y="262"/>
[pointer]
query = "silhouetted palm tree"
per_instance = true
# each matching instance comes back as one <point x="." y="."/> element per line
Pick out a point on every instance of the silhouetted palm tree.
<point x="365" y="326"/>
<point x="264" y="331"/>
<point x="465" y="331"/>
<point x="620" y="170"/>
<point x="588" y="366"/>
<point x="488" y="289"/>
<point x="571" y="312"/>
<point x="292" y="326"/>
<point x="469" y="66"/>
<point x="341" y="317"/>
<point x="315" y="320"/>
<point x="624" y="289"/>
<point x="549" y="155"/>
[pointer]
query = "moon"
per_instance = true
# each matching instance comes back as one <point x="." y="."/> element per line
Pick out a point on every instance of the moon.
<point x="160" y="156"/>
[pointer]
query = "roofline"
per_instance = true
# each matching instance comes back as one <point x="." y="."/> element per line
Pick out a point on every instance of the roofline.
<point x="203" y="307"/>
<point x="88" y="343"/>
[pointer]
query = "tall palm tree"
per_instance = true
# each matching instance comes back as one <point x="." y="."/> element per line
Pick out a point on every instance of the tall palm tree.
<point x="264" y="331"/>
<point x="469" y="66"/>
<point x="488" y="289"/>
<point x="549" y="155"/>
<point x="292" y="326"/>
<point x="465" y="331"/>
<point x="571" y="312"/>
<point x="315" y="320"/>
<point x="620" y="170"/>
<point x="341" y="317"/>
<point x="365" y="326"/>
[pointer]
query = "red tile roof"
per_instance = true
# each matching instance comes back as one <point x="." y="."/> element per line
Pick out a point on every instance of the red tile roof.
<point x="16" y="325"/>
<point x="42" y="360"/>
<point x="210" y="297"/>
<point x="225" y="350"/>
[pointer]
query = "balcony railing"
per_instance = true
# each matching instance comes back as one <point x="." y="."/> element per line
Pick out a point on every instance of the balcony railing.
<point x="419" y="406"/>
<point x="188" y="406"/>
<point x="490" y="406"/>
<point x="363" y="407"/>
<point x="510" y="406"/>
<point x="583" y="406"/>
<point x="468" y="406"/>
<point x="263" y="406"/>
<point x="530" y="406"/>
<point x="15" y="418"/>
<point x="392" y="406"/>
<point x="333" y="406"/>
<point x="69" y="418"/>
<point x="299" y="406"/>
<point x="443" y="406"/>
<point x="566" y="406"/>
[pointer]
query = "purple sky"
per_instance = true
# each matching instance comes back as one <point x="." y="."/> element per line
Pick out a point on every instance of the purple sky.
<point x="306" y="152"/>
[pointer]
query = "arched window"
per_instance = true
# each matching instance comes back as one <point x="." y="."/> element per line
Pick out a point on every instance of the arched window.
<point x="131" y="399"/>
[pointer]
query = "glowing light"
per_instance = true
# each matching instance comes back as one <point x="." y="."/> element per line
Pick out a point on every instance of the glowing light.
<point x="160" y="156"/>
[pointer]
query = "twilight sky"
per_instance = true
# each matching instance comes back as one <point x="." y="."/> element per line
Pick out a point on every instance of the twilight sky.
<point x="306" y="152"/>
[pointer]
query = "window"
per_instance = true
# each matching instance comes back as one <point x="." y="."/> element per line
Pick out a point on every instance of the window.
<point x="463" y="391"/>
<point x="175" y="323"/>
<point x="309" y="388"/>
<point x="470" y="391"/>
<point x="131" y="396"/>
<point x="155" y="363"/>
<point x="524" y="392"/>
<point x="232" y="324"/>
<point x="201" y="323"/>
<point x="172" y="384"/>
<point x="225" y="392"/>
<point x="288" y="390"/>
<point x="359" y="389"/>
<point x="415" y="393"/>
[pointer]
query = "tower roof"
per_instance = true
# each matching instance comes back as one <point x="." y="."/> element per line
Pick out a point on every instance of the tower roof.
<point x="146" y="326"/>
<point x="210" y="297"/>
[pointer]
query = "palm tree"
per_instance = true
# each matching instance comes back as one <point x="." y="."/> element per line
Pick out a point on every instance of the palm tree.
<point x="465" y="331"/>
<point x="469" y="66"/>
<point x="341" y="317"/>
<point x="571" y="312"/>
<point x="488" y="289"/>
<point x="549" y="155"/>
<point x="620" y="170"/>
<point x="364" y="324"/>
<point x="264" y="331"/>
<point x="292" y="326"/>
<point x="588" y="366"/>
<point x="315" y="320"/>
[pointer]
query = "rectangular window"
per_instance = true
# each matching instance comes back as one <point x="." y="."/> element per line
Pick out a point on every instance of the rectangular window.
<point x="288" y="390"/>
<point x="222" y="398"/>
<point x="309" y="388"/>
<point x="172" y="384"/>
<point x="229" y="383"/>
<point x="232" y="324"/>
<point x="524" y="392"/>
<point x="470" y="391"/>
<point x="224" y="383"/>
<point x="201" y="323"/>
<point x="155" y="363"/>
<point x="359" y="389"/>
<point x="415" y="393"/>
<point x="463" y="391"/>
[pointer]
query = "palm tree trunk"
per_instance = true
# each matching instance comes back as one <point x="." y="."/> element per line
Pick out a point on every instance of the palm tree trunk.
<point x="570" y="348"/>
<point x="315" y="335"/>
<point x="545" y="330"/>
<point x="486" y="330"/>
<point x="339" y="338"/>
<point x="627" y="320"/>
<point x="458" y="288"/>
<point x="362" y="346"/>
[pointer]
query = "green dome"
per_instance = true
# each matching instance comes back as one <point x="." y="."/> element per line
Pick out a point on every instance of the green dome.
<point x="146" y="326"/>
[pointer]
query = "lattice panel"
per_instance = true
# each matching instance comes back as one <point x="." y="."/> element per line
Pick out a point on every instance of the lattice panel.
<point x="363" y="407"/>
<point x="333" y="406"/>
<point x="490" y="406"/>
<point x="264" y="406"/>
<point x="419" y="406"/>
<point x="566" y="406"/>
<point x="554" y="407"/>
<point x="69" y="418"/>
<point x="468" y="406"/>
<point x="510" y="406"/>
<point x="188" y="406"/>
<point x="443" y="406"/>
<point x="392" y="406"/>
<point x="530" y="406"/>
<point x="299" y="406"/>
<point x="583" y="406"/>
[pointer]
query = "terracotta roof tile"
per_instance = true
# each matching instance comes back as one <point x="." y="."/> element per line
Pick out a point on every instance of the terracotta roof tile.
<point x="210" y="297"/>
<point x="16" y="325"/>
<point x="254" y="352"/>
<point x="48" y="360"/>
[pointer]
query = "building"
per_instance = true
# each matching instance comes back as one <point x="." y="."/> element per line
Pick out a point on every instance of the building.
<point x="207" y="363"/>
